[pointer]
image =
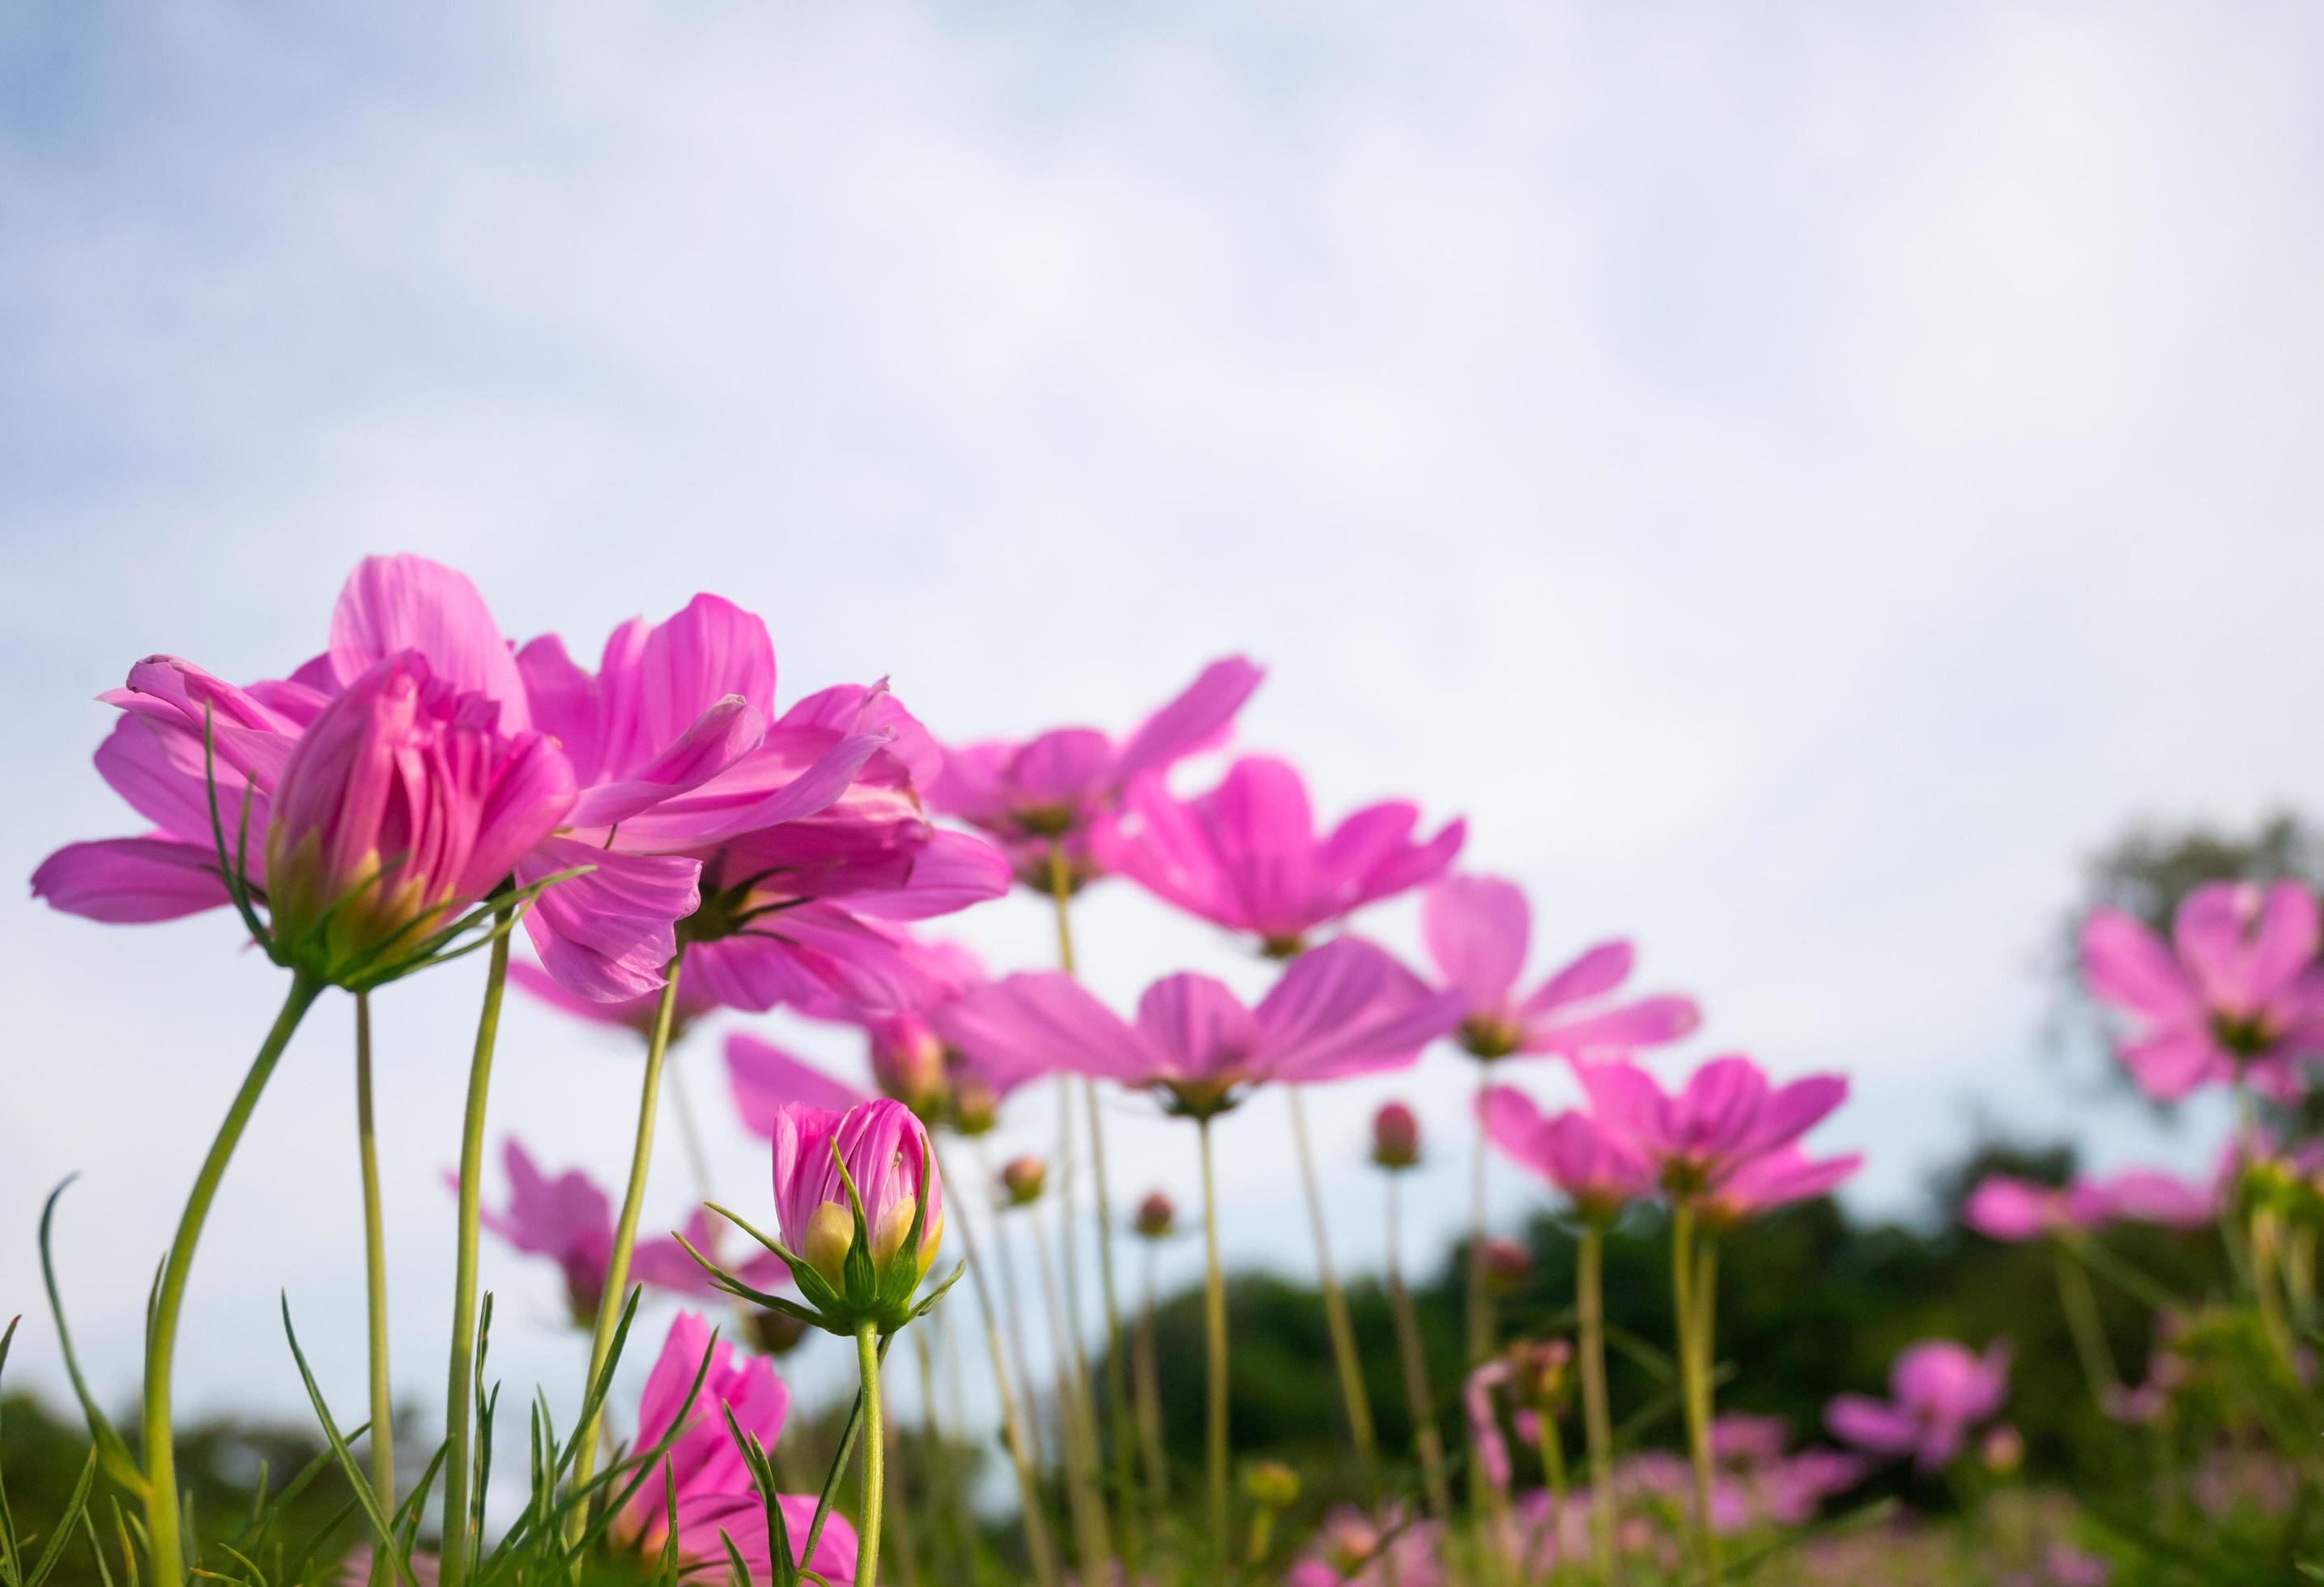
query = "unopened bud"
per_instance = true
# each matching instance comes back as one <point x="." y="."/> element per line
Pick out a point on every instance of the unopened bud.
<point x="2003" y="1450"/>
<point x="1021" y="1180"/>
<point x="1270" y="1484"/>
<point x="1396" y="1137"/>
<point x="776" y="1333"/>
<point x="1506" y="1263"/>
<point x="1156" y="1216"/>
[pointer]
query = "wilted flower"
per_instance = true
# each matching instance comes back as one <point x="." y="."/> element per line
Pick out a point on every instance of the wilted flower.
<point x="1477" y="929"/>
<point x="2237" y="993"/>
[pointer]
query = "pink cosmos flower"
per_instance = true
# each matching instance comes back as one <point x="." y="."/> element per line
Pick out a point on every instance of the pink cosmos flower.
<point x="1777" y="1179"/>
<point x="634" y="1014"/>
<point x="1346" y="1008"/>
<point x="1725" y="1120"/>
<point x="2239" y="992"/>
<point x="1247" y="856"/>
<point x="716" y="1498"/>
<point x="1351" y="1550"/>
<point x="887" y="1154"/>
<point x="1599" y="1172"/>
<point x="1939" y="1393"/>
<point x="1477" y="929"/>
<point x="1054" y="787"/>
<point x="2008" y="1208"/>
<point x="570" y="1220"/>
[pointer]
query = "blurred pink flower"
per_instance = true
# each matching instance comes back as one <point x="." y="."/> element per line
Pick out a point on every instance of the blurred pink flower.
<point x="1055" y="787"/>
<point x="715" y="1492"/>
<point x="1939" y="1393"/>
<point x="570" y="1220"/>
<point x="1601" y="1174"/>
<point x="1352" y="1550"/>
<point x="2008" y="1208"/>
<point x="1477" y="929"/>
<point x="1727" y="1119"/>
<point x="1246" y="855"/>
<point x="1777" y="1179"/>
<point x="1346" y="1008"/>
<point x="2238" y="990"/>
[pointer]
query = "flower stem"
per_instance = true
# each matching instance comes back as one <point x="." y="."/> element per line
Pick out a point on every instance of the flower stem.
<point x="383" y="1396"/>
<point x="1150" y="1400"/>
<point x="1335" y="1308"/>
<point x="867" y="1366"/>
<point x="1479" y="1313"/>
<point x="1038" y="1545"/>
<point x="1597" y="1417"/>
<point x="461" y="1387"/>
<point x="1694" y="1379"/>
<point x="166" y="1549"/>
<point x="1214" y="1332"/>
<point x="615" y="1296"/>
<point x="2081" y="1309"/>
<point x="1081" y="1495"/>
<point x="1418" y="1396"/>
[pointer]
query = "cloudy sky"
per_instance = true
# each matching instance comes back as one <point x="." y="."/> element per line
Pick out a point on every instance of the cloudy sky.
<point x="1797" y="478"/>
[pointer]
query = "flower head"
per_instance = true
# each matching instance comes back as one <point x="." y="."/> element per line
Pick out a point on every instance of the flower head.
<point x="1601" y="1173"/>
<point x="1022" y="1180"/>
<point x="1247" y="856"/>
<point x="1939" y="1393"/>
<point x="692" y="1382"/>
<point x="1157" y="1217"/>
<point x="1053" y="789"/>
<point x="1776" y="1180"/>
<point x="2237" y="992"/>
<point x="1346" y="1008"/>
<point x="860" y="1208"/>
<point x="1725" y="1120"/>
<point x="1477" y="929"/>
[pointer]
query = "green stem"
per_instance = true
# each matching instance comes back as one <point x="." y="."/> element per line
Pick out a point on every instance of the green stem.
<point x="1081" y="1495"/>
<point x="1335" y="1309"/>
<point x="1480" y="1323"/>
<point x="867" y="1366"/>
<point x="1038" y="1545"/>
<point x="1552" y="1443"/>
<point x="615" y="1293"/>
<point x="166" y="1547"/>
<point x="1694" y="1382"/>
<point x="1150" y="1400"/>
<point x="1214" y="1333"/>
<point x="2081" y="1309"/>
<point x="1597" y="1416"/>
<point x="1418" y="1396"/>
<point x="461" y="1387"/>
<point x="383" y="1396"/>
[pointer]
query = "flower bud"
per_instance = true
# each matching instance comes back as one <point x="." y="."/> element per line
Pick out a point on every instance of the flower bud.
<point x="1506" y="1262"/>
<point x="1270" y="1484"/>
<point x="775" y="1333"/>
<point x="2003" y="1450"/>
<point x="1021" y="1179"/>
<point x="1156" y="1216"/>
<point x="874" y="1161"/>
<point x="907" y="1061"/>
<point x="1396" y="1137"/>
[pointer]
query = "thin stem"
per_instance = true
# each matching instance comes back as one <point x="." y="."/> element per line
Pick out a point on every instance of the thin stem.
<point x="1479" y="1315"/>
<point x="1214" y="1333"/>
<point x="2081" y="1309"/>
<point x="161" y="1515"/>
<point x="383" y="1396"/>
<point x="1149" y="1400"/>
<point x="1597" y="1416"/>
<point x="1038" y="1545"/>
<point x="1418" y="1397"/>
<point x="1552" y="1443"/>
<point x="1335" y="1307"/>
<point x="875" y="1461"/>
<point x="1082" y="1496"/>
<point x="615" y="1293"/>
<point x="1012" y="1296"/>
<point x="460" y="1389"/>
<point x="1694" y="1382"/>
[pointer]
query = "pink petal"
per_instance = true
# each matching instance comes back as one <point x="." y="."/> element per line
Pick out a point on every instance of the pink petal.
<point x="1868" y="1424"/>
<point x="953" y="871"/>
<point x="1792" y="1111"/>
<point x="1199" y="1027"/>
<point x="684" y="667"/>
<point x="1046" y="1023"/>
<point x="970" y="784"/>
<point x="811" y="951"/>
<point x="1063" y="768"/>
<point x="609" y="934"/>
<point x="722" y="735"/>
<point x="852" y="708"/>
<point x="1648" y="1022"/>
<point x="392" y="604"/>
<point x="1349" y="1008"/>
<point x="130" y="879"/>
<point x="1624" y="1102"/>
<point x="1476" y="929"/>
<point x="2285" y="943"/>
<point x="764" y="1078"/>
<point x="1197" y="719"/>
<point x="2173" y="1062"/>
<point x="2002" y="1207"/>
<point x="563" y="699"/>
<point x="1597" y="970"/>
<point x="2127" y="965"/>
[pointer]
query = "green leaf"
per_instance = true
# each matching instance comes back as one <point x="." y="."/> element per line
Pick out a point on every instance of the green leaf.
<point x="119" y="1464"/>
<point x="383" y="1529"/>
<point x="74" y="1510"/>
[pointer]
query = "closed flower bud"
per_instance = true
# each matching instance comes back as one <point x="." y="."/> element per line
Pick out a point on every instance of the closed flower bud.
<point x="775" y="1333"/>
<point x="1021" y="1180"/>
<point x="1507" y="1264"/>
<point x="1156" y="1215"/>
<point x="896" y="1208"/>
<point x="1270" y="1484"/>
<point x="1396" y="1137"/>
<point x="908" y="1060"/>
<point x="2002" y="1450"/>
